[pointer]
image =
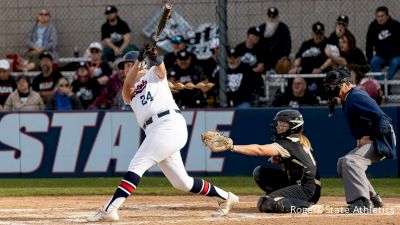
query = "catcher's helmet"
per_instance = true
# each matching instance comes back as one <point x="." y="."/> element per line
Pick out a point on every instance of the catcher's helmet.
<point x="295" y="120"/>
<point x="128" y="57"/>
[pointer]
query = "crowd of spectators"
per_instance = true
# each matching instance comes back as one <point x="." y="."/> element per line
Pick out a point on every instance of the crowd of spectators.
<point x="97" y="82"/>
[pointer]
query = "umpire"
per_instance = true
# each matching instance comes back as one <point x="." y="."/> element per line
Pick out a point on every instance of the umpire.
<point x="372" y="129"/>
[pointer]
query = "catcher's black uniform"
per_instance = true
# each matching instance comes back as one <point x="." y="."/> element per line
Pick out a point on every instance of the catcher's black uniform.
<point x="296" y="186"/>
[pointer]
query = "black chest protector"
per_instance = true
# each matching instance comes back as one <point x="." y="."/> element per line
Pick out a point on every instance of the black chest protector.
<point x="300" y="166"/>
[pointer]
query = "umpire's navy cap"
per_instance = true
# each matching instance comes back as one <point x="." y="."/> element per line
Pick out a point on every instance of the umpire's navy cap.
<point x="128" y="57"/>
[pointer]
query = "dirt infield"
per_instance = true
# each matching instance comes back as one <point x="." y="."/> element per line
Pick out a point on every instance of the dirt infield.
<point x="182" y="210"/>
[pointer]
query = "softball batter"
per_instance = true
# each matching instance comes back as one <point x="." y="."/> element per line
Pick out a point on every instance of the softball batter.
<point x="166" y="133"/>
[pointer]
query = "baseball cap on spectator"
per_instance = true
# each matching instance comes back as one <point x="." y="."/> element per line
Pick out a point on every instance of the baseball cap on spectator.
<point x="273" y="12"/>
<point x="232" y="52"/>
<point x="318" y="28"/>
<point x="46" y="55"/>
<point x="4" y="64"/>
<point x="254" y="30"/>
<point x="183" y="55"/>
<point x="95" y="45"/>
<point x="110" y="9"/>
<point x="342" y="19"/>
<point x="177" y="39"/>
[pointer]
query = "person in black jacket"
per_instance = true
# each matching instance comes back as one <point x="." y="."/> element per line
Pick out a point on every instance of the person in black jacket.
<point x="383" y="37"/>
<point x="372" y="129"/>
<point x="349" y="52"/>
<point x="241" y="81"/>
<point x="296" y="186"/>
<point x="277" y="40"/>
<point x="341" y="25"/>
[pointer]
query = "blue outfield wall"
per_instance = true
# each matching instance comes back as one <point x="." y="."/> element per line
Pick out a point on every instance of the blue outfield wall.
<point x="102" y="143"/>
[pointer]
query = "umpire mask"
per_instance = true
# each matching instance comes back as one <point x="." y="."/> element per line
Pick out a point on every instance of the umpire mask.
<point x="333" y="82"/>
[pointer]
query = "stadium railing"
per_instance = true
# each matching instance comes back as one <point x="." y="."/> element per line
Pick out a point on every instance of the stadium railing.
<point x="280" y="81"/>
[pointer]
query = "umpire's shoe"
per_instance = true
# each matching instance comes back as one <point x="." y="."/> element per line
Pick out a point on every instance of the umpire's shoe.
<point x="102" y="215"/>
<point x="226" y="205"/>
<point x="360" y="205"/>
<point x="377" y="201"/>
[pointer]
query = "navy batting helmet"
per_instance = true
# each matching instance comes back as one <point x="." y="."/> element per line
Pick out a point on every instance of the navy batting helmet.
<point x="293" y="118"/>
<point x="128" y="57"/>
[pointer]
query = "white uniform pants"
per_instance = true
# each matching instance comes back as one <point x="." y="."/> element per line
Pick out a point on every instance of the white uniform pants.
<point x="165" y="137"/>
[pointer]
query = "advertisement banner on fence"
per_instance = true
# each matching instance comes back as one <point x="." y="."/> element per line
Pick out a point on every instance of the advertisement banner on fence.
<point x="92" y="144"/>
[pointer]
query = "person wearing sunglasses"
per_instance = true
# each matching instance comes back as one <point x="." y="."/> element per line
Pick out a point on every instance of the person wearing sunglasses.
<point x="63" y="99"/>
<point x="41" y="37"/>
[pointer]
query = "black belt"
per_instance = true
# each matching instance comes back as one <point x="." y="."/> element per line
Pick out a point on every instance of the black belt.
<point x="159" y="115"/>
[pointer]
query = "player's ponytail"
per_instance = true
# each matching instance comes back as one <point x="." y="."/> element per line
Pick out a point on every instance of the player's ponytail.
<point x="303" y="140"/>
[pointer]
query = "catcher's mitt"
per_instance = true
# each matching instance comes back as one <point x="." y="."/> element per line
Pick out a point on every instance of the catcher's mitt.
<point x="216" y="142"/>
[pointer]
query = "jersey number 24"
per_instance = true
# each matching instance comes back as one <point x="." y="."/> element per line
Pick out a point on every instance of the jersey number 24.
<point x="146" y="98"/>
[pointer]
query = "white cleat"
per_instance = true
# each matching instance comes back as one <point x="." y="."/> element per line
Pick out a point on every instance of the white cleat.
<point x="102" y="215"/>
<point x="226" y="205"/>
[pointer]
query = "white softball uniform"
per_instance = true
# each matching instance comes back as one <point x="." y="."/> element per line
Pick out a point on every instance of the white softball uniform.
<point x="165" y="129"/>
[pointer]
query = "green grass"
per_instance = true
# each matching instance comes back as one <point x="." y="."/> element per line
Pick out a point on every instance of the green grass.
<point x="160" y="186"/>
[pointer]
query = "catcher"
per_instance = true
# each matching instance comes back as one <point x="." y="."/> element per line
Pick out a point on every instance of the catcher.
<point x="292" y="189"/>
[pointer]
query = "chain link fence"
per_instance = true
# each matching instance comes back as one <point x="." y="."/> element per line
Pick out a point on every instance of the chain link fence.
<point x="78" y="22"/>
